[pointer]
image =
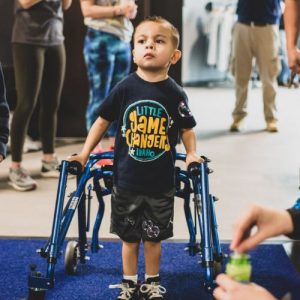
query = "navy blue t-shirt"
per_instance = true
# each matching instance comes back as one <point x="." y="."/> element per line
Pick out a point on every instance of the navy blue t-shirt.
<point x="262" y="11"/>
<point x="149" y="117"/>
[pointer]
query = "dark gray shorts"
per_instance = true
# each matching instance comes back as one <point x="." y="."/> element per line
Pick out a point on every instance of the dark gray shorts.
<point x="136" y="217"/>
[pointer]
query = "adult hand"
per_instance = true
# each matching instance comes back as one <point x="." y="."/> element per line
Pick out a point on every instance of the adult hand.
<point x="268" y="223"/>
<point x="294" y="59"/>
<point x="229" y="289"/>
<point x="129" y="9"/>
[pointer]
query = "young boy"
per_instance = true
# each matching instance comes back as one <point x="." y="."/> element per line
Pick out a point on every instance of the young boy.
<point x="4" y="115"/>
<point x="150" y="110"/>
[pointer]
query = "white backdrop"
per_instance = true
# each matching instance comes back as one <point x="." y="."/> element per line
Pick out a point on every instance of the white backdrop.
<point x="195" y="42"/>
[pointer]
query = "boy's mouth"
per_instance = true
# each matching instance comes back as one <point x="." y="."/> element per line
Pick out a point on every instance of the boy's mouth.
<point x="148" y="55"/>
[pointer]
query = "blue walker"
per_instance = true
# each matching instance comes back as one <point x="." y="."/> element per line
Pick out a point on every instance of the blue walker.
<point x="192" y="181"/>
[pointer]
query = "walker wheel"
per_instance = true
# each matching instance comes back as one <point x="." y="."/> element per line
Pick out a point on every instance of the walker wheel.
<point x="71" y="257"/>
<point x="36" y="294"/>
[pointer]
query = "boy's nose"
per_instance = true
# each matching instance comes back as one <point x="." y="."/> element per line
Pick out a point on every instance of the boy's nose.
<point x="149" y="45"/>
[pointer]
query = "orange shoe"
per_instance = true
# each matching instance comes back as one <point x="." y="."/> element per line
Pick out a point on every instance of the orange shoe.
<point x="235" y="126"/>
<point x="272" y="126"/>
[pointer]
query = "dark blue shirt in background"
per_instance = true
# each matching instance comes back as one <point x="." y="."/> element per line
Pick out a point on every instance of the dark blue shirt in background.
<point x="260" y="11"/>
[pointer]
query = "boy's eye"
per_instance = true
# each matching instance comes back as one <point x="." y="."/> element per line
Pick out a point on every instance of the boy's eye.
<point x="141" y="41"/>
<point x="160" y="41"/>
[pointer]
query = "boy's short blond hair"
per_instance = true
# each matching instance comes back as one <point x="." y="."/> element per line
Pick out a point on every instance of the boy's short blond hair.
<point x="157" y="19"/>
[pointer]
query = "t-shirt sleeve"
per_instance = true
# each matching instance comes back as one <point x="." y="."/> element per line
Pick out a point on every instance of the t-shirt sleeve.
<point x="295" y="214"/>
<point x="185" y="116"/>
<point x="110" y="108"/>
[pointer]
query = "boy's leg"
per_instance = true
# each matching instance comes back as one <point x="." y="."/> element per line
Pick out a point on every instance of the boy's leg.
<point x="130" y="253"/>
<point x="151" y="288"/>
<point x="152" y="252"/>
<point x="125" y="207"/>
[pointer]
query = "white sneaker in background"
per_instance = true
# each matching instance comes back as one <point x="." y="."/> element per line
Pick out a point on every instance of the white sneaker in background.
<point x="20" y="180"/>
<point x="50" y="169"/>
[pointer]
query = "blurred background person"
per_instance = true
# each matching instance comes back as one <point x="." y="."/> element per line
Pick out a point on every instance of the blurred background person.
<point x="39" y="65"/>
<point x="256" y="35"/>
<point x="107" y="51"/>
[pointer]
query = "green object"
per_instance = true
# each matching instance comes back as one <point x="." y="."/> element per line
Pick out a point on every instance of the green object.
<point x="239" y="267"/>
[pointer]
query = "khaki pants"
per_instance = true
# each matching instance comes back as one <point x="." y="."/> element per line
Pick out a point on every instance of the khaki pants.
<point x="261" y="42"/>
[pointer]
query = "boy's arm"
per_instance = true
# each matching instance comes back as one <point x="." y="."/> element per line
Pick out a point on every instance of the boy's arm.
<point x="291" y="24"/>
<point x="95" y="134"/>
<point x="189" y="141"/>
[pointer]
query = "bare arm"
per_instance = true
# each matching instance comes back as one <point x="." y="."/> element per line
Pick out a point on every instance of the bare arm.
<point x="28" y="3"/>
<point x="268" y="222"/>
<point x="95" y="134"/>
<point x="292" y="26"/>
<point x="90" y="9"/>
<point x="189" y="141"/>
<point x="66" y="4"/>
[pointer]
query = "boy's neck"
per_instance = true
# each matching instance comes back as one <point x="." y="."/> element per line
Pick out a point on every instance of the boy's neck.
<point x="152" y="76"/>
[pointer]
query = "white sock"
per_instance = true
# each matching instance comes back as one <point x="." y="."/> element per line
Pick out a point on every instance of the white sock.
<point x="133" y="278"/>
<point x="150" y="276"/>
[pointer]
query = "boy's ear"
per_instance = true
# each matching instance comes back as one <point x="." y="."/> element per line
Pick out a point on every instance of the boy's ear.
<point x="175" y="57"/>
<point x="133" y="55"/>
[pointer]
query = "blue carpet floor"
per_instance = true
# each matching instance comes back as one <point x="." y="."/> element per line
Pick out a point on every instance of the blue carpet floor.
<point x="181" y="274"/>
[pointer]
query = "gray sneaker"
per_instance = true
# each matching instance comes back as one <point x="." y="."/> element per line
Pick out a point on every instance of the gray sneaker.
<point x="50" y="169"/>
<point x="20" y="180"/>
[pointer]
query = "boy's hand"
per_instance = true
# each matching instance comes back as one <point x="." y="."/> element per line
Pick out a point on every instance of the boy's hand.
<point x="193" y="157"/>
<point x="81" y="158"/>
<point x="1" y="158"/>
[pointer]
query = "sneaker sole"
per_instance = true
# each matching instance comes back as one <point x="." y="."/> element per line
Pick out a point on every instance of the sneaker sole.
<point x="22" y="189"/>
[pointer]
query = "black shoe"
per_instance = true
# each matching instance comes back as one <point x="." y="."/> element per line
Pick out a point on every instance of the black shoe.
<point x="152" y="290"/>
<point x="129" y="290"/>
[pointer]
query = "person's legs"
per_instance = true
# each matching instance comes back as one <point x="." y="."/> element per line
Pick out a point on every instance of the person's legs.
<point x="129" y="287"/>
<point x="130" y="252"/>
<point x="267" y="39"/>
<point x="125" y="222"/>
<point x="100" y="63"/>
<point x="122" y="63"/>
<point x="53" y="79"/>
<point x="52" y="83"/>
<point x="157" y="225"/>
<point x="152" y="253"/>
<point x="284" y="74"/>
<point x="151" y="288"/>
<point x="28" y="64"/>
<point x="241" y="69"/>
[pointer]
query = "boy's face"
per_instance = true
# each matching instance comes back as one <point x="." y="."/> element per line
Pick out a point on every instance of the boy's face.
<point x="153" y="47"/>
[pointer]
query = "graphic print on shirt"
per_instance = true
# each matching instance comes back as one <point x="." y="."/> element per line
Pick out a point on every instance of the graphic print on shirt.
<point x="145" y="128"/>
